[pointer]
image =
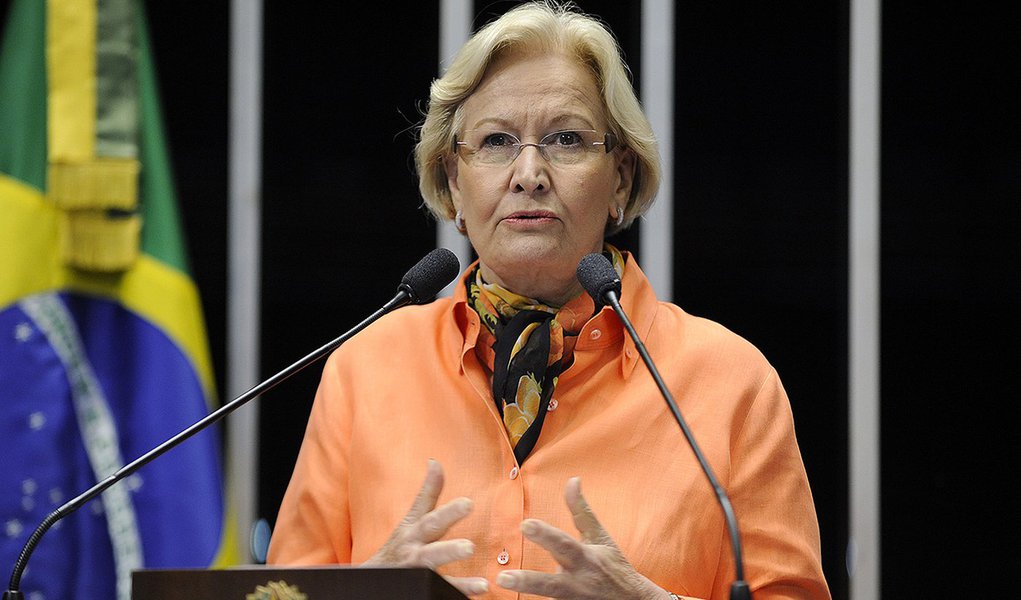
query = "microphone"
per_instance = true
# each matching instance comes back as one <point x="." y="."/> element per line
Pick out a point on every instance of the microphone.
<point x="430" y="275"/>
<point x="600" y="280"/>
<point x="420" y="284"/>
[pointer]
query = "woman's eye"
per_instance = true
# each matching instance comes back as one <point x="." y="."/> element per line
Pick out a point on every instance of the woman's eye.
<point x="497" y="139"/>
<point x="567" y="138"/>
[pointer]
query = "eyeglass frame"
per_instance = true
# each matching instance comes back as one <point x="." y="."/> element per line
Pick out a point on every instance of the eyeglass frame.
<point x="609" y="143"/>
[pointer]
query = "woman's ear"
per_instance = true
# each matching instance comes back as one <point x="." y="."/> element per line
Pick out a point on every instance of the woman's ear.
<point x="626" y="165"/>
<point x="450" y="167"/>
<point x="616" y="213"/>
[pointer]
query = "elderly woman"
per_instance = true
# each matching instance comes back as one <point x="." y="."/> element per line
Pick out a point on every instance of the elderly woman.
<point x="517" y="393"/>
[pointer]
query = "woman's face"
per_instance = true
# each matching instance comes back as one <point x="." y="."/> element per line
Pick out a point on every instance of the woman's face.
<point x="532" y="221"/>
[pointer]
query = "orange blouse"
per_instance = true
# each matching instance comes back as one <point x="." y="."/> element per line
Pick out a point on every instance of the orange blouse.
<point x="410" y="387"/>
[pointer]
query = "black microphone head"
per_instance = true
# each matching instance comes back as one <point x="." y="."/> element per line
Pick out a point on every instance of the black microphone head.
<point x="598" y="276"/>
<point x="429" y="275"/>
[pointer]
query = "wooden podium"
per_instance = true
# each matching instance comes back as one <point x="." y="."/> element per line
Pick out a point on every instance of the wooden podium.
<point x="315" y="583"/>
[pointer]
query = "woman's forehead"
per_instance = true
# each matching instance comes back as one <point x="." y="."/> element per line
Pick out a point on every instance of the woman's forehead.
<point x="544" y="73"/>
<point x="537" y="90"/>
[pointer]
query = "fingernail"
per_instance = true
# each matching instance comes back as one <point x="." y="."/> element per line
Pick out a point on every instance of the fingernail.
<point x="505" y="580"/>
<point x="467" y="548"/>
<point x="479" y="587"/>
<point x="529" y="527"/>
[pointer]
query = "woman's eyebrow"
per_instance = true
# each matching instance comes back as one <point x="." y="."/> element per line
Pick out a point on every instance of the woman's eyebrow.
<point x="561" y="120"/>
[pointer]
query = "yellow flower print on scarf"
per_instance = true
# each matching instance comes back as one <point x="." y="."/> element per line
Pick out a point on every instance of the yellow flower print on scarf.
<point x="520" y="414"/>
<point x="524" y="369"/>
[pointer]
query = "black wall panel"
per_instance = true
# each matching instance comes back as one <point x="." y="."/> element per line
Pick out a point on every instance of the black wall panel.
<point x="761" y="211"/>
<point x="951" y="183"/>
<point x="341" y="222"/>
<point x="760" y="190"/>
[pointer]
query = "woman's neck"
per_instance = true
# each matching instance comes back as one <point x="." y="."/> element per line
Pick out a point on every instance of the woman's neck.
<point x="539" y="285"/>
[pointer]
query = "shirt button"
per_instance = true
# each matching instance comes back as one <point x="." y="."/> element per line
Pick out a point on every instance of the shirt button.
<point x="553" y="404"/>
<point x="503" y="558"/>
<point x="595" y="334"/>
<point x="514" y="473"/>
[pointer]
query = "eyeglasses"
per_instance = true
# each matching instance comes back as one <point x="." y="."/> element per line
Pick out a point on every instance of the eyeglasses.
<point x="499" y="148"/>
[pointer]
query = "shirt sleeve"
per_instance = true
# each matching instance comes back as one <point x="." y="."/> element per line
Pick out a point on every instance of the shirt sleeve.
<point x="773" y="503"/>
<point x="313" y="526"/>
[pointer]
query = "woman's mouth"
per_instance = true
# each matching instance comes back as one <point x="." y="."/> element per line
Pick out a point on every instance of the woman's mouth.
<point x="531" y="216"/>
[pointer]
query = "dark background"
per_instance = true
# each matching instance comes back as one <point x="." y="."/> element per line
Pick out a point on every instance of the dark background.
<point x="760" y="186"/>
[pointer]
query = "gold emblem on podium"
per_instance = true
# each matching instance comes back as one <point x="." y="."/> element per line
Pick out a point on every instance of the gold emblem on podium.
<point x="276" y="590"/>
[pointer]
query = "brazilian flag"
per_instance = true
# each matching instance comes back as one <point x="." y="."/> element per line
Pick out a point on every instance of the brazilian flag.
<point x="103" y="351"/>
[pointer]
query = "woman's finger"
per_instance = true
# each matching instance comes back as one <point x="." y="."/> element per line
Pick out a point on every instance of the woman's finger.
<point x="437" y="554"/>
<point x="567" y="551"/>
<point x="425" y="501"/>
<point x="585" y="520"/>
<point x="434" y="524"/>
<point x="469" y="586"/>
<point x="553" y="585"/>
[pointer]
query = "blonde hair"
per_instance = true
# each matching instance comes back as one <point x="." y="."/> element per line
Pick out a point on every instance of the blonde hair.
<point x="546" y="26"/>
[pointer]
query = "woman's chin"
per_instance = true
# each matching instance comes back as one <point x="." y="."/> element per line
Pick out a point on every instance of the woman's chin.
<point x="535" y="271"/>
<point x="529" y="256"/>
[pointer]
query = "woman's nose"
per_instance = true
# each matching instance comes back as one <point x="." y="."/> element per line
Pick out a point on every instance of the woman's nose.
<point x="531" y="170"/>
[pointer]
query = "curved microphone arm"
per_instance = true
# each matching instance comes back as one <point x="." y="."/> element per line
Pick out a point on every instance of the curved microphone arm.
<point x="601" y="281"/>
<point x="438" y="268"/>
<point x="739" y="590"/>
<point x="13" y="592"/>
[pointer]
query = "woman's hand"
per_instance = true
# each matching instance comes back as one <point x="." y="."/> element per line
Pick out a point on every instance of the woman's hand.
<point x="416" y="540"/>
<point x="591" y="568"/>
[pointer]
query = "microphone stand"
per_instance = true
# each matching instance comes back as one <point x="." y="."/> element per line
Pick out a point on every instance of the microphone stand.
<point x="405" y="295"/>
<point x="739" y="590"/>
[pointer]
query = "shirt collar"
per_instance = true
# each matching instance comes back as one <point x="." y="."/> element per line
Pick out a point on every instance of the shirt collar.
<point x="639" y="302"/>
<point x="637" y="298"/>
